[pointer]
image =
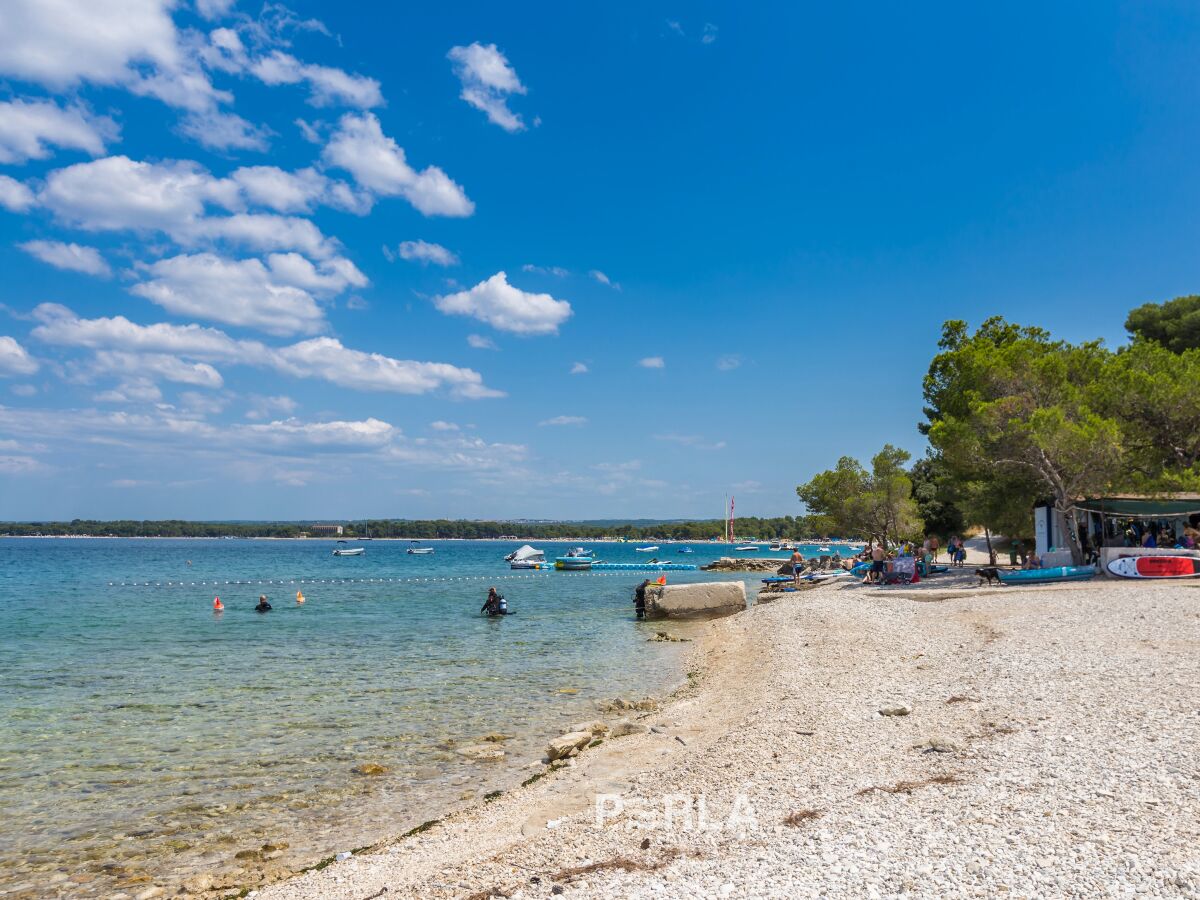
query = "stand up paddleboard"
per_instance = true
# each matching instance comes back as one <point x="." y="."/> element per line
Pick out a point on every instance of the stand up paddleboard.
<point x="1155" y="567"/>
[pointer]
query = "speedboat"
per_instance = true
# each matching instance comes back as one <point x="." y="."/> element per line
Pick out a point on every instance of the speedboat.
<point x="747" y="548"/>
<point x="417" y="551"/>
<point x="580" y="553"/>
<point x="651" y="549"/>
<point x="684" y="550"/>
<point x="526" y="557"/>
<point x="775" y="547"/>
<point x="348" y="551"/>
<point x="573" y="563"/>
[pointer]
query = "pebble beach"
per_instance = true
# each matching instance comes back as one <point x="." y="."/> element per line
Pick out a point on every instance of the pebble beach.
<point x="855" y="742"/>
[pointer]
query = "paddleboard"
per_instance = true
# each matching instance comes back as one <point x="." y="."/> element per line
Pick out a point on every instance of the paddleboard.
<point x="1155" y="567"/>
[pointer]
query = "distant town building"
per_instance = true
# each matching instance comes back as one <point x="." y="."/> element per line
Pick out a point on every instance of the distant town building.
<point x="325" y="530"/>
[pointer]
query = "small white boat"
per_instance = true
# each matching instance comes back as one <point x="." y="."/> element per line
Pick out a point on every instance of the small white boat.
<point x="651" y="549"/>
<point x="417" y="551"/>
<point x="823" y="549"/>
<point x="348" y="551"/>
<point x="527" y="558"/>
<point x="684" y="550"/>
<point x="747" y="548"/>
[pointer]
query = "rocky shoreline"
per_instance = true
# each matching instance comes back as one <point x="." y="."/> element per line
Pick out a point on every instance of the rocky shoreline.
<point x="854" y="744"/>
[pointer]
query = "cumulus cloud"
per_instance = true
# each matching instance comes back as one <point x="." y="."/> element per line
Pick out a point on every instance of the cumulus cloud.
<point x="378" y="164"/>
<point x="439" y="425"/>
<point x="160" y="365"/>
<point x="14" y="195"/>
<point x="131" y="390"/>
<point x="327" y="86"/>
<point x="487" y="82"/>
<point x="729" y="362"/>
<point x="219" y="130"/>
<point x="263" y="407"/>
<point x="321" y="358"/>
<point x="556" y="271"/>
<point x="326" y="358"/>
<point x="507" y="308"/>
<point x="652" y="362"/>
<point x="480" y="342"/>
<point x="565" y="420"/>
<point x="28" y="129"/>
<point x="236" y="292"/>
<point x="296" y="192"/>
<point x="14" y="359"/>
<point x="73" y="257"/>
<point x="579" y="369"/>
<point x="257" y="231"/>
<point x="425" y="252"/>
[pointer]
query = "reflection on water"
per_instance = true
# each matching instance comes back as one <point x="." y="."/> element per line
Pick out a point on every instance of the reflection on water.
<point x="146" y="736"/>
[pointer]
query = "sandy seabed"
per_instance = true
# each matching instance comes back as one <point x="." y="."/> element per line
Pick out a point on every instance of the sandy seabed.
<point x="1050" y="749"/>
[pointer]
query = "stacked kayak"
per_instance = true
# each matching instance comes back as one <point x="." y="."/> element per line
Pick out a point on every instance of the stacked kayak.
<point x="1048" y="576"/>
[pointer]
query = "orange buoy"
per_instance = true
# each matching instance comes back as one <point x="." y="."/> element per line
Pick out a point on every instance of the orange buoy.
<point x="217" y="604"/>
<point x="299" y="597"/>
<point x="662" y="579"/>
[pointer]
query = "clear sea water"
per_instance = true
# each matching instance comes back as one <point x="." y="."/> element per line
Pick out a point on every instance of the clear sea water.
<point x="144" y="737"/>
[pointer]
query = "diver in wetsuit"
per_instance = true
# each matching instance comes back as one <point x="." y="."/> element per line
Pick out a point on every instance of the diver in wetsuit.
<point x="639" y="599"/>
<point x="495" y="605"/>
<point x="263" y="605"/>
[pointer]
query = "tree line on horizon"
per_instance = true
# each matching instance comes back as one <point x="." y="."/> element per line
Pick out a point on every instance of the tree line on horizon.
<point x="782" y="527"/>
<point x="1015" y="418"/>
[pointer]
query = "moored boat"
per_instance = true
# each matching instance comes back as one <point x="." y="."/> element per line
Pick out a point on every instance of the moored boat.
<point x="419" y="550"/>
<point x="653" y="548"/>
<point x="573" y="563"/>
<point x="527" y="558"/>
<point x="348" y="551"/>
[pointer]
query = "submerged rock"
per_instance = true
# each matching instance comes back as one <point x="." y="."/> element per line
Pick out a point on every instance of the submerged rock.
<point x="596" y="727"/>
<point x="481" y="752"/>
<point x="371" y="769"/>
<point x="623" y="727"/>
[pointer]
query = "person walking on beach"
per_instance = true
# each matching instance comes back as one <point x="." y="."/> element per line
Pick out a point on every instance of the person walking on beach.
<point x="934" y="546"/>
<point x="797" y="565"/>
<point x="639" y="599"/>
<point x="877" y="564"/>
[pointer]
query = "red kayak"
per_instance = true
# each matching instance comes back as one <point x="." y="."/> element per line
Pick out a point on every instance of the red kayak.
<point x="1155" y="567"/>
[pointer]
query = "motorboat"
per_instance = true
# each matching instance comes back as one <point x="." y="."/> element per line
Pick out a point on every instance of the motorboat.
<point x="747" y="548"/>
<point x="348" y="551"/>
<point x="651" y="549"/>
<point x="775" y="547"/>
<point x="526" y="557"/>
<point x="684" y="550"/>
<point x="580" y="552"/>
<point x="571" y="563"/>
<point x="419" y="551"/>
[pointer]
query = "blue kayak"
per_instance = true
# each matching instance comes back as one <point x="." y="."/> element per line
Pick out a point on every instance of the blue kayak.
<point x="1046" y="576"/>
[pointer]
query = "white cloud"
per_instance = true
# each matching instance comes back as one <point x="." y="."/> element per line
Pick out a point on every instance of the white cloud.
<point x="439" y="425"/>
<point x="556" y="271"/>
<point x="263" y="407"/>
<point x="257" y="231"/>
<point x="729" y="362"/>
<point x="423" y="251"/>
<point x="117" y="193"/>
<point x="161" y="365"/>
<point x="73" y="257"/>
<point x="24" y="390"/>
<point x="709" y="34"/>
<point x="329" y="277"/>
<point x="487" y="81"/>
<point x="326" y="358"/>
<point x="214" y="9"/>
<point x="237" y="292"/>
<point x="599" y="276"/>
<point x="14" y="360"/>
<point x="61" y="327"/>
<point x="565" y="420"/>
<point x="579" y="369"/>
<point x="327" y="86"/>
<point x="20" y="465"/>
<point x="131" y="390"/>
<point x="224" y="131"/>
<point x="507" y="308"/>
<point x="29" y="128"/>
<point x="480" y="342"/>
<point x="284" y="192"/>
<point x="370" y="432"/>
<point x="652" y="362"/>
<point x="378" y="164"/>
<point x="14" y="195"/>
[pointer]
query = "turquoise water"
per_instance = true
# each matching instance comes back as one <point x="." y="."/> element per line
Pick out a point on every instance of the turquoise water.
<point x="146" y="736"/>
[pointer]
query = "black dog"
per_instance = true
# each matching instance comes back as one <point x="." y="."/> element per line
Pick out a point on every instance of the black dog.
<point x="988" y="574"/>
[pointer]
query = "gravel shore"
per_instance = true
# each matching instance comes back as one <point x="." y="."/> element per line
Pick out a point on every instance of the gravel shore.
<point x="1039" y="743"/>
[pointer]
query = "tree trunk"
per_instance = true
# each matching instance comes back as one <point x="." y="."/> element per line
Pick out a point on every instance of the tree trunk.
<point x="987" y="533"/>
<point x="1070" y="515"/>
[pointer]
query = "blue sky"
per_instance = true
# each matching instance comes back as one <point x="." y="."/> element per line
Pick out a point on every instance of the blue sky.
<point x="476" y="261"/>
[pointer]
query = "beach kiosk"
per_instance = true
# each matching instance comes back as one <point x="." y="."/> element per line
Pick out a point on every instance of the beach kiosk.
<point x="1122" y="525"/>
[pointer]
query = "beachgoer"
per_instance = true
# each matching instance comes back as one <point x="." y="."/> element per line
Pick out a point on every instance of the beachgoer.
<point x="639" y="599"/>
<point x="797" y="565"/>
<point x="491" y="605"/>
<point x="263" y="605"/>
<point x="934" y="546"/>
<point x="877" y="563"/>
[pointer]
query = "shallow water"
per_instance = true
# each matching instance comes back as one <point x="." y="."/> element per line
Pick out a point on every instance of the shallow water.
<point x="145" y="736"/>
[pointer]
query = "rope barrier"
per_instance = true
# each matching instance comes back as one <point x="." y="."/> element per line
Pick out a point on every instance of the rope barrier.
<point x="430" y="580"/>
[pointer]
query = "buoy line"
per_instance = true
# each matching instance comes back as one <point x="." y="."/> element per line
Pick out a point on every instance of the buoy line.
<point x="294" y="581"/>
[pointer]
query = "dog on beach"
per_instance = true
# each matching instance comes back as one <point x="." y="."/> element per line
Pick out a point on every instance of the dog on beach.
<point x="988" y="575"/>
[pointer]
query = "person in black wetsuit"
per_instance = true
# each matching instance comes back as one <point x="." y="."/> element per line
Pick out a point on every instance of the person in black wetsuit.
<point x="491" y="605"/>
<point x="639" y="599"/>
<point x="263" y="605"/>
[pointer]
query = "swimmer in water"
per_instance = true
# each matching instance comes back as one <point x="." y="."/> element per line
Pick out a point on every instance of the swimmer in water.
<point x="263" y="605"/>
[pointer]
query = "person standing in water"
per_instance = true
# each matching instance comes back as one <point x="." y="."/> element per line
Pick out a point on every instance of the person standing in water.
<point x="492" y="605"/>
<point x="639" y="599"/>
<point x="263" y="605"/>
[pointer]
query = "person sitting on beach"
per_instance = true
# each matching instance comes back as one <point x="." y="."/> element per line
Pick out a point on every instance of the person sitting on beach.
<point x="263" y="605"/>
<point x="1033" y="561"/>
<point x="639" y="599"/>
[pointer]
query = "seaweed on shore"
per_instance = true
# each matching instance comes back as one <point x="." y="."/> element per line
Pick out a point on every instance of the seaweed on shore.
<point x="624" y="863"/>
<point x="424" y="826"/>
<point x="796" y="819"/>
<point x="492" y="795"/>
<point x="907" y="787"/>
